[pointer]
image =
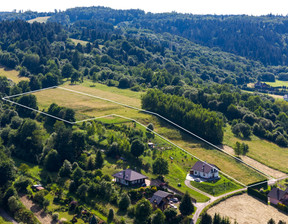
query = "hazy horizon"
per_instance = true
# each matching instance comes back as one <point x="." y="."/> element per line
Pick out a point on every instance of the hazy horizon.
<point x="220" y="7"/>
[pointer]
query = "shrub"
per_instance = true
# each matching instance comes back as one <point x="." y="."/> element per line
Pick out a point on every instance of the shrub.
<point x="55" y="216"/>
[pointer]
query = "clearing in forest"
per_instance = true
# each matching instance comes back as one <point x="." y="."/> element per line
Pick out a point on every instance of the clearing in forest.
<point x="42" y="19"/>
<point x="12" y="74"/>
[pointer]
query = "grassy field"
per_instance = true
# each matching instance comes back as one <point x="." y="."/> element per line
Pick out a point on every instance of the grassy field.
<point x="90" y="107"/>
<point x="278" y="83"/>
<point x="261" y="150"/>
<point x="222" y="186"/>
<point x="39" y="19"/>
<point x="11" y="74"/>
<point x="82" y="42"/>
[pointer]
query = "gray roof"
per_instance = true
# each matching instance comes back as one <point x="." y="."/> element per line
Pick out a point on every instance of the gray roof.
<point x="129" y="175"/>
<point x="204" y="167"/>
<point x="158" y="196"/>
<point x="277" y="193"/>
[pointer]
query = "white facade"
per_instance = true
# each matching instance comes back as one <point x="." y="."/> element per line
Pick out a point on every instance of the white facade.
<point x="214" y="174"/>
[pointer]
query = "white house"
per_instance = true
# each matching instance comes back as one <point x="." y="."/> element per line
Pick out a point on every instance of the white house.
<point x="285" y="97"/>
<point x="205" y="170"/>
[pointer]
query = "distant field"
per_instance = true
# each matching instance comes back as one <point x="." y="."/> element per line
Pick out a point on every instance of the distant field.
<point x="86" y="107"/>
<point x="12" y="74"/>
<point x="82" y="42"/>
<point x="39" y="19"/>
<point x="278" y="83"/>
<point x="261" y="150"/>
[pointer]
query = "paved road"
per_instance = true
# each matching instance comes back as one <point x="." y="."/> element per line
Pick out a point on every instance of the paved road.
<point x="7" y="217"/>
<point x="201" y="206"/>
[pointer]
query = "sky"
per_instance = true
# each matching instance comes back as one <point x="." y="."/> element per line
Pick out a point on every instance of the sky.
<point x="248" y="7"/>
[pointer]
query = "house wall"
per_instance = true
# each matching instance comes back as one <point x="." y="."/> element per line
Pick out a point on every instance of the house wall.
<point x="203" y="175"/>
<point x="273" y="201"/>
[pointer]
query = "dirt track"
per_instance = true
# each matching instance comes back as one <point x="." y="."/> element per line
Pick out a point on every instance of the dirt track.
<point x="38" y="212"/>
<point x="263" y="168"/>
<point x="247" y="210"/>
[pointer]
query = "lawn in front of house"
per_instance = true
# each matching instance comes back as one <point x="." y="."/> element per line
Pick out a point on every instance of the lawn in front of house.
<point x="221" y="186"/>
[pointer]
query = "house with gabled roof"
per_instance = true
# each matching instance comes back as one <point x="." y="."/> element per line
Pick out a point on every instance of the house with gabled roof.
<point x="160" y="199"/>
<point x="129" y="177"/>
<point x="277" y="195"/>
<point x="205" y="170"/>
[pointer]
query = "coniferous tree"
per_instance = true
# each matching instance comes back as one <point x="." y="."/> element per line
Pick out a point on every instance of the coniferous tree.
<point x="186" y="207"/>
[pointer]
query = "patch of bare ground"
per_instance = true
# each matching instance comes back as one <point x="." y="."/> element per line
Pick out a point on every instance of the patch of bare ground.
<point x="247" y="210"/>
<point x="263" y="168"/>
<point x="42" y="216"/>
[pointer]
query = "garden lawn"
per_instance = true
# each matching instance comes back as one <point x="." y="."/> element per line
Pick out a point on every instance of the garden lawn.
<point x="222" y="186"/>
<point x="261" y="150"/>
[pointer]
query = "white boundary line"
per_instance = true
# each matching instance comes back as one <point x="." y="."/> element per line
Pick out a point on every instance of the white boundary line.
<point x="135" y="108"/>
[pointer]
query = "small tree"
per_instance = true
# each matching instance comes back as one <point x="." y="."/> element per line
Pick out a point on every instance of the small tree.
<point x="150" y="127"/>
<point x="206" y="219"/>
<point x="143" y="210"/>
<point x="110" y="215"/>
<point x="66" y="169"/>
<point x="158" y="217"/>
<point x="271" y="221"/>
<point x="160" y="166"/>
<point x="170" y="214"/>
<point x="237" y="149"/>
<point x="124" y="202"/>
<point x="99" y="160"/>
<point x="13" y="204"/>
<point x="46" y="203"/>
<point x="52" y="161"/>
<point x="186" y="207"/>
<point x="137" y="148"/>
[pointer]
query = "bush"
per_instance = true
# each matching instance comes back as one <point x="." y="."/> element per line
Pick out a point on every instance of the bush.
<point x="55" y="216"/>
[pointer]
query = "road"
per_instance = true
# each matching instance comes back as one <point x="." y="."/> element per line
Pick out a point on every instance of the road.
<point x="201" y="206"/>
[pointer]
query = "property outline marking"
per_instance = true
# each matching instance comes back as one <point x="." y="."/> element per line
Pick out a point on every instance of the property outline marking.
<point x="7" y="98"/>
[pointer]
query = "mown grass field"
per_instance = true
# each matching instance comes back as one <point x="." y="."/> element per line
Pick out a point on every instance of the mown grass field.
<point x="261" y="150"/>
<point x="39" y="19"/>
<point x="12" y="74"/>
<point x="90" y="107"/>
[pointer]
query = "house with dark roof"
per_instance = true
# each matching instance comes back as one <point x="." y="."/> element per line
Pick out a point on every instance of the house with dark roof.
<point x="160" y="199"/>
<point x="129" y="177"/>
<point x="277" y="195"/>
<point x="205" y="170"/>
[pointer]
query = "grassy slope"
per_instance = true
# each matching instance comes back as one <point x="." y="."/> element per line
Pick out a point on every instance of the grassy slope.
<point x="11" y="74"/>
<point x="261" y="150"/>
<point x="90" y="107"/>
<point x="39" y="19"/>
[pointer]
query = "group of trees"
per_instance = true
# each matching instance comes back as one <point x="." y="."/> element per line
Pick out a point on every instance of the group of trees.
<point x="193" y="117"/>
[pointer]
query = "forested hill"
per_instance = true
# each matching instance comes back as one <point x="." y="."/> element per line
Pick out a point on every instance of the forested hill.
<point x="259" y="38"/>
